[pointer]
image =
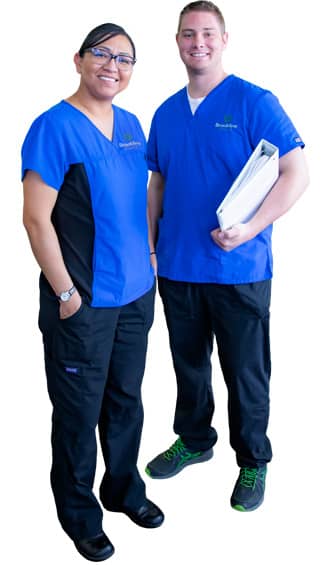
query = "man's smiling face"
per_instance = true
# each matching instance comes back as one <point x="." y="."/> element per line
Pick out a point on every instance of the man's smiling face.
<point x="201" y="41"/>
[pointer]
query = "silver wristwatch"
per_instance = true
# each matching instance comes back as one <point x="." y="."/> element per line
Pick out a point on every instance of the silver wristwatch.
<point x="66" y="294"/>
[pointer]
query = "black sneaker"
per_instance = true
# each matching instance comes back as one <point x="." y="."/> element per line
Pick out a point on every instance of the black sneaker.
<point x="173" y="460"/>
<point x="249" y="490"/>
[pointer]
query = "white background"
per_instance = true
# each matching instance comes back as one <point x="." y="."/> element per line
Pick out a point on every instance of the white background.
<point x="275" y="45"/>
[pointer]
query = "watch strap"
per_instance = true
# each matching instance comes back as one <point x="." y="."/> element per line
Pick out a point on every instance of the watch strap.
<point x="69" y="292"/>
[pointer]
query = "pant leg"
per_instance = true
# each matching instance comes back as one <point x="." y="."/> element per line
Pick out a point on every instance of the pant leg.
<point x="77" y="352"/>
<point x="240" y="315"/>
<point x="121" y="419"/>
<point x="191" y="343"/>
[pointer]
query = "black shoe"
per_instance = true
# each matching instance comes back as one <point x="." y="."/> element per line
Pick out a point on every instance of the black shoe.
<point x="176" y="458"/>
<point x="97" y="548"/>
<point x="147" y="516"/>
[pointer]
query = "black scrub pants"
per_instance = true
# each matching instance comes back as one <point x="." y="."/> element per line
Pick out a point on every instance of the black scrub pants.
<point x="95" y="362"/>
<point x="238" y="317"/>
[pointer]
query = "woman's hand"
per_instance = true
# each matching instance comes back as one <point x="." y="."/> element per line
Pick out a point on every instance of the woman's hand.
<point x="67" y="309"/>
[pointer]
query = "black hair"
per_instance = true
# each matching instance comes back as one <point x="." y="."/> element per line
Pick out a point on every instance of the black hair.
<point x="103" y="32"/>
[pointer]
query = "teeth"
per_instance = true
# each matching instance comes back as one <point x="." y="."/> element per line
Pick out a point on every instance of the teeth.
<point x="198" y="54"/>
<point x="109" y="79"/>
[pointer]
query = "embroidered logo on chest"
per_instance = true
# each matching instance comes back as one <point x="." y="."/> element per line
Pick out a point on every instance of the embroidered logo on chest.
<point x="128" y="141"/>
<point x="227" y="123"/>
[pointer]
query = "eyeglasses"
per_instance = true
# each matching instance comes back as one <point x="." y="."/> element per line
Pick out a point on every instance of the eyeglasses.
<point x="103" y="56"/>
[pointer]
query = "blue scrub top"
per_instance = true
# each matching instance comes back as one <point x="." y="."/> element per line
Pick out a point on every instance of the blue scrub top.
<point x="100" y="212"/>
<point x="199" y="157"/>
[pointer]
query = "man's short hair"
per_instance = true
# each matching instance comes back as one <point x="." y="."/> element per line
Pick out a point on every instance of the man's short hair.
<point x="202" y="6"/>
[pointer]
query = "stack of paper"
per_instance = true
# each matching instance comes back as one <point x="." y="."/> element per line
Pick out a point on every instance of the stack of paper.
<point x="251" y="186"/>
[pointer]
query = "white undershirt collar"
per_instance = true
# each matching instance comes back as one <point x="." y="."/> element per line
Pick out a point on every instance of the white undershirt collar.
<point x="194" y="102"/>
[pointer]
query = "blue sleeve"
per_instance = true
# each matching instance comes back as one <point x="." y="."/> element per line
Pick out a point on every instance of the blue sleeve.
<point x="270" y="121"/>
<point x="44" y="152"/>
<point x="141" y="133"/>
<point x="152" y="149"/>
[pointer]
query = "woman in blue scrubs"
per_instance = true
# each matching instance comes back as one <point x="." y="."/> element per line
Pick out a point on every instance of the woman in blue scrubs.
<point x="85" y="176"/>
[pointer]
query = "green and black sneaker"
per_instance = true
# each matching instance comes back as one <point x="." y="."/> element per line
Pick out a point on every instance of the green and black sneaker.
<point x="249" y="490"/>
<point x="172" y="461"/>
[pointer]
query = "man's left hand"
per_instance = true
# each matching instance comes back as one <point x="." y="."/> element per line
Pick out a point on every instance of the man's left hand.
<point x="233" y="237"/>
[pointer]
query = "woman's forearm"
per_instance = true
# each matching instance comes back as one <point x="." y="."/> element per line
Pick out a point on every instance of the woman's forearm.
<point x="46" y="249"/>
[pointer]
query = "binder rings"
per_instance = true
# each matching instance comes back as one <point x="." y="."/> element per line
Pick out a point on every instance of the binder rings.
<point x="251" y="186"/>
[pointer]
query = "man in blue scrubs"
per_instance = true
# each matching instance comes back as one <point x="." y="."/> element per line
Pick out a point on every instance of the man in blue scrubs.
<point x="213" y="282"/>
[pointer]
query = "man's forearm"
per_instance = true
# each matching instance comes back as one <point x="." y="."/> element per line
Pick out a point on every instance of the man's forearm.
<point x="281" y="198"/>
<point x="290" y="186"/>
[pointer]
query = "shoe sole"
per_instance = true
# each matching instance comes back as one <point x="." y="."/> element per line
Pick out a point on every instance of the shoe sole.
<point x="241" y="508"/>
<point x="205" y="457"/>
<point x="143" y="525"/>
<point x="95" y="559"/>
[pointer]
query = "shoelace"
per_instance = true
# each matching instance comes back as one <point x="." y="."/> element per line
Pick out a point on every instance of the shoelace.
<point x="176" y="449"/>
<point x="248" y="477"/>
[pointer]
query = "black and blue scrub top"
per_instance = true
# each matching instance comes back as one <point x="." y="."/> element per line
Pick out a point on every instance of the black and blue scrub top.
<point x="100" y="212"/>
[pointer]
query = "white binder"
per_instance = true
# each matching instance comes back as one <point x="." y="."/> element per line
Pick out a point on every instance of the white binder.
<point x="251" y="186"/>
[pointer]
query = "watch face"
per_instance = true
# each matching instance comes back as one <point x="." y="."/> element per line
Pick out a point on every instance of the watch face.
<point x="65" y="296"/>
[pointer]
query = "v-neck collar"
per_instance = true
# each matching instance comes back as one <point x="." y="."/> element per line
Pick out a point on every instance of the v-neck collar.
<point x="212" y="92"/>
<point x="113" y="138"/>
